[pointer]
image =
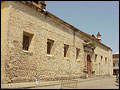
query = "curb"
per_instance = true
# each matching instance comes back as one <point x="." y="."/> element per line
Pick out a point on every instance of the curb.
<point x="43" y="84"/>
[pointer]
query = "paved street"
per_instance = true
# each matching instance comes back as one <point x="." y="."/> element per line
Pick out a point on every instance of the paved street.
<point x="106" y="83"/>
<point x="101" y="83"/>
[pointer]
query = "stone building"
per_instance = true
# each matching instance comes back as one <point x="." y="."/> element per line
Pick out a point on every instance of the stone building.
<point x="115" y="64"/>
<point x="37" y="44"/>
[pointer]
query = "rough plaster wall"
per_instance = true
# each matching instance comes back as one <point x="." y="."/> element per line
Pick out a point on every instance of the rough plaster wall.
<point x="110" y="63"/>
<point x="103" y="69"/>
<point x="26" y="66"/>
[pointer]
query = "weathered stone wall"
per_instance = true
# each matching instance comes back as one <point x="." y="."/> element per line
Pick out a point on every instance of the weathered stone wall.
<point x="100" y="66"/>
<point x="22" y="66"/>
<point x="5" y="9"/>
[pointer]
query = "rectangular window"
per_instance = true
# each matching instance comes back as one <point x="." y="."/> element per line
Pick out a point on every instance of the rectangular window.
<point x="66" y="50"/>
<point x="27" y="37"/>
<point x="25" y="42"/>
<point x="95" y="57"/>
<point x="101" y="57"/>
<point x="77" y="53"/>
<point x="113" y="64"/>
<point x="106" y="60"/>
<point x="49" y="46"/>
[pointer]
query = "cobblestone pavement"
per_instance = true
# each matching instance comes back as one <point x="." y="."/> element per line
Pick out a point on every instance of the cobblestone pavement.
<point x="101" y="83"/>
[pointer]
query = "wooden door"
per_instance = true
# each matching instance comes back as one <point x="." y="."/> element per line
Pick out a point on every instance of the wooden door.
<point x="88" y="65"/>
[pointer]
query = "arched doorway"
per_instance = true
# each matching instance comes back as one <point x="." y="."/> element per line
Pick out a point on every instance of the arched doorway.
<point x="88" y="65"/>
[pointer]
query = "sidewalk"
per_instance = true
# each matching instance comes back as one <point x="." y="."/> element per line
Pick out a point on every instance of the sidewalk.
<point x="43" y="83"/>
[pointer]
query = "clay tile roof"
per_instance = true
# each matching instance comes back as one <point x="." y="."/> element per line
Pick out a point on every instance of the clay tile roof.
<point x="98" y="34"/>
<point x="115" y="55"/>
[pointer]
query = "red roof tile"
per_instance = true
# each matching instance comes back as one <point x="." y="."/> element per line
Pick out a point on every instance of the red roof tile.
<point x="115" y="55"/>
<point x="98" y="34"/>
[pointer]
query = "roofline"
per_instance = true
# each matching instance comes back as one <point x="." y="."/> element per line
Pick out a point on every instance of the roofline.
<point x="76" y="29"/>
<point x="115" y="54"/>
<point x="67" y="24"/>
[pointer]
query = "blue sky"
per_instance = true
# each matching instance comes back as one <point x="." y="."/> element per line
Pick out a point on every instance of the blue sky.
<point x="91" y="17"/>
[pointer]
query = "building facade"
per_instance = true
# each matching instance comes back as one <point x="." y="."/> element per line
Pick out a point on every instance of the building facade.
<point x="37" y="44"/>
<point x="115" y="64"/>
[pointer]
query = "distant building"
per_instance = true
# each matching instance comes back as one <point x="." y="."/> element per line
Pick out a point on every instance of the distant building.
<point x="37" y="44"/>
<point x="115" y="64"/>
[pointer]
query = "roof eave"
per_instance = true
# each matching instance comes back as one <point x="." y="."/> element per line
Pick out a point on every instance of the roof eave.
<point x="69" y="25"/>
